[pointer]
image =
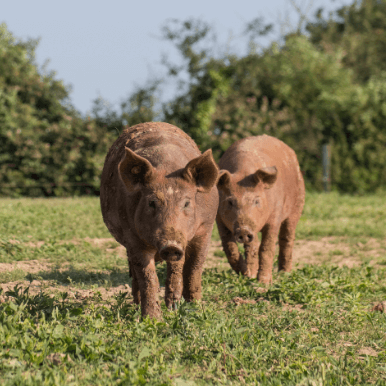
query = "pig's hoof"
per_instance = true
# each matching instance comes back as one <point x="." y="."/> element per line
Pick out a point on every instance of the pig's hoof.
<point x="152" y="315"/>
<point x="172" y="304"/>
<point x="264" y="279"/>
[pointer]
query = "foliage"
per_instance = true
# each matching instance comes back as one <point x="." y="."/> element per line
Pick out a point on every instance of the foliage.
<point x="359" y="31"/>
<point x="299" y="92"/>
<point x="46" y="148"/>
<point x="138" y="107"/>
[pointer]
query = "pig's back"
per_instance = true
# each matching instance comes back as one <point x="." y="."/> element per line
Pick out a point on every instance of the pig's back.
<point x="162" y="144"/>
<point x="253" y="153"/>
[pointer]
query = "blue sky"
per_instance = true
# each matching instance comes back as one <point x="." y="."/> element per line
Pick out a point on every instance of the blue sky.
<point x="105" y="48"/>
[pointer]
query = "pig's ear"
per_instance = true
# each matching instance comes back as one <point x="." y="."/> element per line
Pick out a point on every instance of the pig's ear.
<point x="267" y="176"/>
<point x="224" y="180"/>
<point x="202" y="171"/>
<point x="135" y="170"/>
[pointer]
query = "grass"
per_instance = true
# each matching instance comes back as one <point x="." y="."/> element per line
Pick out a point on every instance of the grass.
<point x="51" y="220"/>
<point x="342" y="215"/>
<point x="313" y="326"/>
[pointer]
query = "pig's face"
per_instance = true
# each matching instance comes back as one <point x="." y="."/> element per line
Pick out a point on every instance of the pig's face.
<point x="166" y="215"/>
<point x="165" y="209"/>
<point x="243" y="203"/>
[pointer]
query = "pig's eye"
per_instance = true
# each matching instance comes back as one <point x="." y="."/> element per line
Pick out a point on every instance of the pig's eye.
<point x="152" y="204"/>
<point x="230" y="203"/>
<point x="256" y="201"/>
<point x="187" y="203"/>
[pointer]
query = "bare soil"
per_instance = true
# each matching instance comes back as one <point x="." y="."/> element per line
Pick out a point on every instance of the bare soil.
<point x="29" y="266"/>
<point x="328" y="250"/>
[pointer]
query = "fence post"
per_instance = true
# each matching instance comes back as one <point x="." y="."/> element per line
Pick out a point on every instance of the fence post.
<point x="326" y="167"/>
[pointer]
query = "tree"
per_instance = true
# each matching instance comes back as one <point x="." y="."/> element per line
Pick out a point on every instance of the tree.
<point x="46" y="147"/>
<point x="298" y="92"/>
<point x="359" y="31"/>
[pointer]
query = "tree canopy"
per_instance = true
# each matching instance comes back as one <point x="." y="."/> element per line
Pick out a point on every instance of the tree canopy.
<point x="325" y="86"/>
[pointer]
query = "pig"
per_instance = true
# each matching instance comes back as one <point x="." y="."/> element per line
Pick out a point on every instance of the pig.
<point x="262" y="190"/>
<point x="159" y="199"/>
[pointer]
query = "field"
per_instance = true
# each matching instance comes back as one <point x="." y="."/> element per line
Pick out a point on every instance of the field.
<point x="67" y="317"/>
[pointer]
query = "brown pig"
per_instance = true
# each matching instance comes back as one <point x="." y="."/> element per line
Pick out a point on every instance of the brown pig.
<point x="159" y="200"/>
<point x="261" y="190"/>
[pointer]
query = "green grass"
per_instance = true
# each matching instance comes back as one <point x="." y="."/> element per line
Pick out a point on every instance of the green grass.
<point x="51" y="219"/>
<point x="16" y="274"/>
<point x="342" y="215"/>
<point x="313" y="326"/>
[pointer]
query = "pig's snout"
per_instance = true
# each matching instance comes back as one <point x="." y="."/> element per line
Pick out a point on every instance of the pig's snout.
<point x="171" y="253"/>
<point x="244" y="236"/>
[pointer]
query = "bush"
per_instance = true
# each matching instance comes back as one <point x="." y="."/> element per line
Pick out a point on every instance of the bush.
<point x="46" y="148"/>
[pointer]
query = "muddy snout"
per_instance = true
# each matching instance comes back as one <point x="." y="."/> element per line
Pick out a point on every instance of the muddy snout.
<point x="171" y="252"/>
<point x="243" y="235"/>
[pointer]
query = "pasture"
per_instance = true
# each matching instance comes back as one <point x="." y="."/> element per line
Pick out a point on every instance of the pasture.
<point x="67" y="318"/>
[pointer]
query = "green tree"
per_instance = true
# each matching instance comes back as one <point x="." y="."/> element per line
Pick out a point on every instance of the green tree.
<point x="140" y="106"/>
<point x="46" y="147"/>
<point x="359" y="30"/>
<point x="298" y="92"/>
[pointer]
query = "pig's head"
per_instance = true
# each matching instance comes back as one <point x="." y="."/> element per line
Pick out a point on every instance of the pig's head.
<point x="243" y="202"/>
<point x="164" y="205"/>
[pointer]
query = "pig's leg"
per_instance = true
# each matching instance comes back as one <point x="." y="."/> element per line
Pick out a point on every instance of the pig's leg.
<point x="252" y="258"/>
<point x="173" y="287"/>
<point x="144" y="268"/>
<point x="266" y="253"/>
<point x="286" y="243"/>
<point x="194" y="262"/>
<point x="231" y="250"/>
<point x="134" y="285"/>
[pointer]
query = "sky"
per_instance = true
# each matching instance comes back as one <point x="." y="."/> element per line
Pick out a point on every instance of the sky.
<point x="107" y="49"/>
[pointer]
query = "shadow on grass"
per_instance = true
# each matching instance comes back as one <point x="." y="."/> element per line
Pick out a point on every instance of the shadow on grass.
<point x="73" y="276"/>
<point x="14" y="275"/>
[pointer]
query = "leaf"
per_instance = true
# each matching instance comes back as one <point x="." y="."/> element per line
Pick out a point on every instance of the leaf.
<point x="58" y="331"/>
<point x="183" y="382"/>
<point x="76" y="311"/>
<point x="144" y="353"/>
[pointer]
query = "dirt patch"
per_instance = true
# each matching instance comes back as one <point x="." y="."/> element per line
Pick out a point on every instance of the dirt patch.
<point x="334" y="250"/>
<point x="238" y="301"/>
<point x="28" y="266"/>
<point x="381" y="307"/>
<point x="368" y="351"/>
<point x="296" y="307"/>
<point x="37" y="286"/>
<point x="213" y="261"/>
<point x="327" y="250"/>
<point x="109" y="245"/>
<point x="31" y="244"/>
